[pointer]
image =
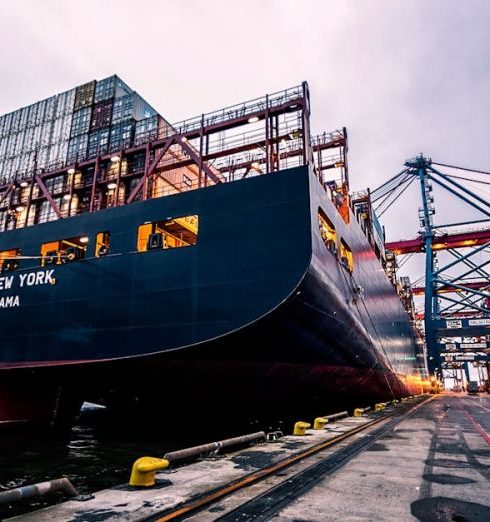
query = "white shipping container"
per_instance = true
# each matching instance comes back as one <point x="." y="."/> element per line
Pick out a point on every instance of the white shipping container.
<point x="50" y="109"/>
<point x="14" y="127"/>
<point x="30" y="162"/>
<point x="64" y="104"/>
<point x="53" y="154"/>
<point x="29" y="139"/>
<point x="5" y="122"/>
<point x="46" y="133"/>
<point x="63" y="152"/>
<point x="24" y="113"/>
<point x="41" y="108"/>
<point x="57" y="157"/>
<point x="26" y="166"/>
<point x="66" y="126"/>
<point x="16" y="164"/>
<point x="19" y="144"/>
<point x="61" y="128"/>
<point x="12" y="140"/>
<point x="7" y="128"/>
<point x="5" y="173"/>
<point x="8" y="124"/>
<point x="3" y="147"/>
<point x="37" y="135"/>
<point x="11" y="162"/>
<point x="56" y="129"/>
<point x="32" y="116"/>
<point x="42" y="159"/>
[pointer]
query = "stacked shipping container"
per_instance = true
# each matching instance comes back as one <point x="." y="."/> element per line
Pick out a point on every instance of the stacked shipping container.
<point x="59" y="138"/>
<point x="92" y="119"/>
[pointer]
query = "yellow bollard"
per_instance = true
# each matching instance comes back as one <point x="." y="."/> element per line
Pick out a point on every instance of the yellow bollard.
<point x="300" y="428"/>
<point x="379" y="407"/>
<point x="395" y="401"/>
<point x="319" y="423"/>
<point x="358" y="412"/>
<point x="143" y="472"/>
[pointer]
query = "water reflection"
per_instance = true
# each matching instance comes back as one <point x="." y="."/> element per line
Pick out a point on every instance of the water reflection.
<point x="95" y="453"/>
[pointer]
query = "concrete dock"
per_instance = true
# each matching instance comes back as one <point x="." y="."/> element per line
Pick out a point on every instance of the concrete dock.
<point x="426" y="461"/>
<point x="433" y="466"/>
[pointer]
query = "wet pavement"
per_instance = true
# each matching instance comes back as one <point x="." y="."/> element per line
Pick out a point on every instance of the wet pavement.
<point x="433" y="466"/>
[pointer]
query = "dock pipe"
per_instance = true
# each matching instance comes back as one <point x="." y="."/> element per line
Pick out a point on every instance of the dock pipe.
<point x="336" y="416"/>
<point x="213" y="447"/>
<point x="11" y="495"/>
<point x="359" y="412"/>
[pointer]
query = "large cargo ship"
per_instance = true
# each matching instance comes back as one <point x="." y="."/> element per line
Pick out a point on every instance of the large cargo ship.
<point x="194" y="268"/>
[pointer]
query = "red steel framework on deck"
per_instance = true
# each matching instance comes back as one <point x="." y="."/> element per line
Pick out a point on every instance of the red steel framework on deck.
<point x="252" y="138"/>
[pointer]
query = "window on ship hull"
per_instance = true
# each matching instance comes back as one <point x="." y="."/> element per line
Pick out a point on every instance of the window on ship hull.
<point x="9" y="260"/>
<point x="346" y="256"/>
<point x="64" y="251"/>
<point x="169" y="233"/>
<point x="102" y="244"/>
<point x="327" y="232"/>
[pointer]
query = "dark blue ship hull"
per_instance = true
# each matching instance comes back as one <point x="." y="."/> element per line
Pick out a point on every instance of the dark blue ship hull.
<point x="257" y="313"/>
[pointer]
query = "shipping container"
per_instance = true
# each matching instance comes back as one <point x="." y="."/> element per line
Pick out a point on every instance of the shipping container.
<point x="12" y="141"/>
<point x="98" y="142"/>
<point x="77" y="148"/>
<point x="19" y="143"/>
<point x="131" y="106"/>
<point x="32" y="115"/>
<point x="23" y="113"/>
<point x="42" y="158"/>
<point x="101" y="115"/>
<point x="46" y="137"/>
<point x="108" y="88"/>
<point x="15" y="126"/>
<point x="122" y="135"/>
<point x="40" y="111"/>
<point x="150" y="129"/>
<point x="62" y="127"/>
<point x="64" y="103"/>
<point x="7" y="124"/>
<point x="84" y="95"/>
<point x="3" y="147"/>
<point x="80" y="123"/>
<point x="57" y="157"/>
<point x="93" y="118"/>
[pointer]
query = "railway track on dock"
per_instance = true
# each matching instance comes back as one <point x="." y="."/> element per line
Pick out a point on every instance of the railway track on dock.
<point x="263" y="493"/>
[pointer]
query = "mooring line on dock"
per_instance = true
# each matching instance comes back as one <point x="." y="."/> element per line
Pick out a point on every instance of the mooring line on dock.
<point x="256" y="476"/>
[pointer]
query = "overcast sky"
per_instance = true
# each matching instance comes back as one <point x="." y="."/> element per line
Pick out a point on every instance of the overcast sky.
<point x="402" y="76"/>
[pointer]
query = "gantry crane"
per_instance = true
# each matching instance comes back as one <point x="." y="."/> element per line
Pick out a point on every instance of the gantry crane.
<point x="457" y="293"/>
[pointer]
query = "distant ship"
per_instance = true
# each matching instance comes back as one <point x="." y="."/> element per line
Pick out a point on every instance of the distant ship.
<point x="148" y="277"/>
